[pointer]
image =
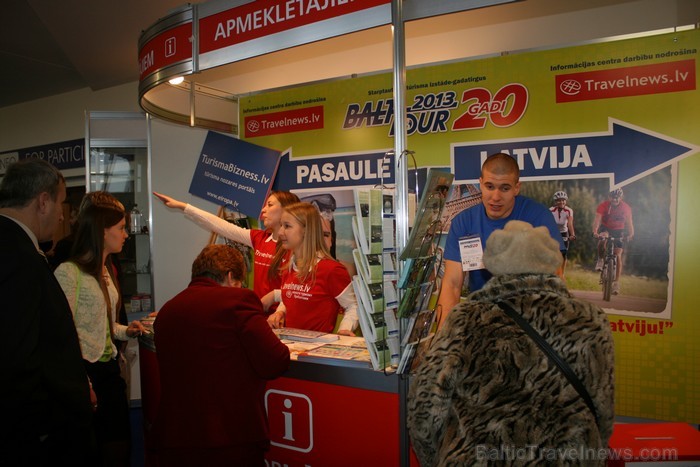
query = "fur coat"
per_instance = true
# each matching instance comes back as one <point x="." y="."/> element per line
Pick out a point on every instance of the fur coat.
<point x="484" y="393"/>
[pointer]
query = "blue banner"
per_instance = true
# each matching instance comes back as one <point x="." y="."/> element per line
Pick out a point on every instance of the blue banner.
<point x="63" y="155"/>
<point x="624" y="152"/>
<point x="234" y="173"/>
<point x="374" y="168"/>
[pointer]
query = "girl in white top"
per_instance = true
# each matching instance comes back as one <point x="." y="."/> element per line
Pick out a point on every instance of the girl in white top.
<point x="564" y="218"/>
<point x="88" y="282"/>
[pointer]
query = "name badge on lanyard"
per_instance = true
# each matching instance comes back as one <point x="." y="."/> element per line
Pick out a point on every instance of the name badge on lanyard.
<point x="471" y="252"/>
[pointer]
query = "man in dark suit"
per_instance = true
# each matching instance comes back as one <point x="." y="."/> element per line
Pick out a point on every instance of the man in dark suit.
<point x="45" y="396"/>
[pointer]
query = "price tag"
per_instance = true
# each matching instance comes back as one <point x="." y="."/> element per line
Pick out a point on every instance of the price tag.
<point x="471" y="252"/>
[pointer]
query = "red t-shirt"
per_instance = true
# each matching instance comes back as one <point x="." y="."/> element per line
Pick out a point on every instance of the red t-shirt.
<point x="263" y="252"/>
<point x="614" y="217"/>
<point x="313" y="305"/>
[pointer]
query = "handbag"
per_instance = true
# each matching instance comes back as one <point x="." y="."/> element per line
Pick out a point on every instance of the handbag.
<point x="552" y="355"/>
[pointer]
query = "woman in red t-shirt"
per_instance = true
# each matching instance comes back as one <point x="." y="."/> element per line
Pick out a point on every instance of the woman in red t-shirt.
<point x="263" y="242"/>
<point x="314" y="285"/>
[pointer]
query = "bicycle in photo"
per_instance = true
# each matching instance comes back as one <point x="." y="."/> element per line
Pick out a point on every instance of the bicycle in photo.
<point x="607" y="273"/>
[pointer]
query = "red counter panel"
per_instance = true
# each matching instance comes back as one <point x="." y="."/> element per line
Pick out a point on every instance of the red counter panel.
<point x="315" y="423"/>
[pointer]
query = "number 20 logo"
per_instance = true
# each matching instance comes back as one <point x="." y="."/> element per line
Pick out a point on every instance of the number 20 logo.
<point x="504" y="109"/>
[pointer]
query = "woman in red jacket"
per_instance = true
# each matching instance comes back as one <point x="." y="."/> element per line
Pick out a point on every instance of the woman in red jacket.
<point x="215" y="353"/>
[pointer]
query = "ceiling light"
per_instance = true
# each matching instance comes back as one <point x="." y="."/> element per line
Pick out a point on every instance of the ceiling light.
<point x="176" y="81"/>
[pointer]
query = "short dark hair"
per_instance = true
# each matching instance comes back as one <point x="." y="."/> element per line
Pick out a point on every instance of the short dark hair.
<point x="217" y="260"/>
<point x="501" y="164"/>
<point x="27" y="179"/>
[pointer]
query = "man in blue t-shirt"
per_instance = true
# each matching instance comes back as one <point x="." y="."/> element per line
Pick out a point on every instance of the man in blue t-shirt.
<point x="469" y="230"/>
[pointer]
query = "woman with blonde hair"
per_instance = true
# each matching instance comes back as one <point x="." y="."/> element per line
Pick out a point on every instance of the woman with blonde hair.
<point x="314" y="285"/>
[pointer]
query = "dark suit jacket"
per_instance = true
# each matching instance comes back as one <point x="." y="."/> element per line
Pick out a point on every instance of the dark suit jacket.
<point x="44" y="391"/>
<point x="215" y="351"/>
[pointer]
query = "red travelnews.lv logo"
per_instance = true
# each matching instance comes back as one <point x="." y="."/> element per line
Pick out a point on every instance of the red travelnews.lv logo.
<point x="626" y="81"/>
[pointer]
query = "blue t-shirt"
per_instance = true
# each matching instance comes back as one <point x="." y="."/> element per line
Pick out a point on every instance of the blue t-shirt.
<point x="474" y="221"/>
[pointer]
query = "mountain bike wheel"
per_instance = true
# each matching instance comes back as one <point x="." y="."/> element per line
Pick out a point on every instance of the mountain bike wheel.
<point x="608" y="277"/>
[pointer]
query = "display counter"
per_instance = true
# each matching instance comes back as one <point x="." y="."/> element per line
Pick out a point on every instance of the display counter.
<point x="639" y="444"/>
<point x="319" y="414"/>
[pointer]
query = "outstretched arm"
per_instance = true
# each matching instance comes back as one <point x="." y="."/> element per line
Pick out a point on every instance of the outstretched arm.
<point x="208" y="221"/>
<point x="170" y="202"/>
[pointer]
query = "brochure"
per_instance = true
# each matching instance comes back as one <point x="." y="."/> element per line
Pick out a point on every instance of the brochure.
<point x="415" y="299"/>
<point x="304" y="335"/>
<point x="416" y="271"/>
<point x="374" y="223"/>
<point x="375" y="267"/>
<point x="337" y="354"/>
<point x="296" y="347"/>
<point x="428" y="223"/>
<point x="360" y="221"/>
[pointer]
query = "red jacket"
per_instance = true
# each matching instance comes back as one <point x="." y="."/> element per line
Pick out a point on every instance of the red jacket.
<point x="215" y="351"/>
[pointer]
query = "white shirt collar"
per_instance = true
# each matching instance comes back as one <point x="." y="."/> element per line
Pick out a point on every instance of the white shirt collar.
<point x="293" y="263"/>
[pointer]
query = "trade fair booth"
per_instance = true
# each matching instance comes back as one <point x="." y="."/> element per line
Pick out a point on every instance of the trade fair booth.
<point x="578" y="117"/>
<point x="373" y="397"/>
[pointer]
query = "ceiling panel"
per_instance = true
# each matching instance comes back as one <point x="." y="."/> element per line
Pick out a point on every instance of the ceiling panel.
<point x="50" y="47"/>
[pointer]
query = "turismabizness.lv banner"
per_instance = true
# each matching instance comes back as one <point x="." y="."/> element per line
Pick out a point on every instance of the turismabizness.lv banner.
<point x="583" y="119"/>
<point x="234" y="173"/>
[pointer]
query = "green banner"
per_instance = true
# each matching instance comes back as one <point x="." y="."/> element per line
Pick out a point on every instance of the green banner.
<point x="584" y="119"/>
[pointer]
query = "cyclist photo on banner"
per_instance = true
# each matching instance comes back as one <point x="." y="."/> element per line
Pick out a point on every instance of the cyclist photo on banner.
<point x="613" y="218"/>
<point x="644" y="273"/>
<point x="564" y="218"/>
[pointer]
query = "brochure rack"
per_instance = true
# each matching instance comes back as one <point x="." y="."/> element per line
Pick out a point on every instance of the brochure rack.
<point x="395" y="304"/>
<point x="422" y="259"/>
<point x="374" y="229"/>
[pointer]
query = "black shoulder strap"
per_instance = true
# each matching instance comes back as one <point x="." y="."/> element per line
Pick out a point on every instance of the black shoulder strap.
<point x="552" y="355"/>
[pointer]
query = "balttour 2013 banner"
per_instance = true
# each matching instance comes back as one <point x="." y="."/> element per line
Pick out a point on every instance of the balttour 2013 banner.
<point x="620" y="115"/>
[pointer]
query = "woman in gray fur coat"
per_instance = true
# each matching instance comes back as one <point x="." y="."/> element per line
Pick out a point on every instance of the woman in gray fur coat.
<point x="484" y="393"/>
